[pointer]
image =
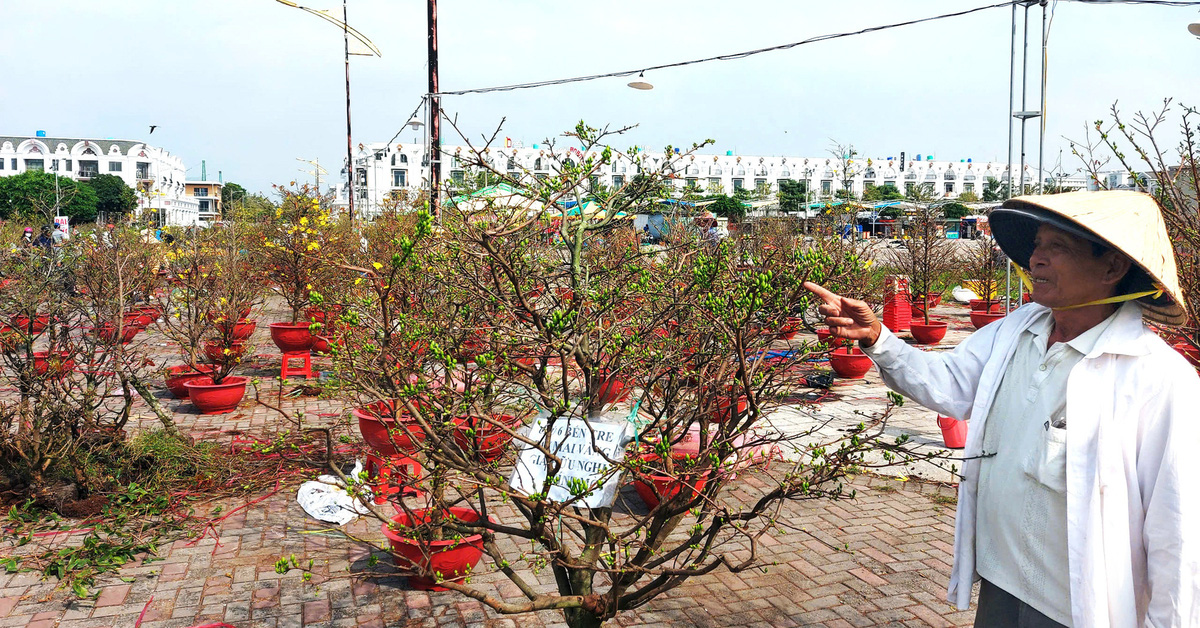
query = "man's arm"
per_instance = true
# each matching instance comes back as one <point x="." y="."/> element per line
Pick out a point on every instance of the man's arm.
<point x="944" y="381"/>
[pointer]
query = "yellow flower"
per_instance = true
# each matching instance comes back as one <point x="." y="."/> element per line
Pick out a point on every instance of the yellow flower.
<point x="303" y="220"/>
<point x="377" y="265"/>
<point x="358" y="281"/>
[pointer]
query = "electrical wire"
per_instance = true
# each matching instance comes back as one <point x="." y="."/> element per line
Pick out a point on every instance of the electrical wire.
<point x="725" y="57"/>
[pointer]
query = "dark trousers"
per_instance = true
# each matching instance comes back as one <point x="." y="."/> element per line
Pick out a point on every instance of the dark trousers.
<point x="1000" y="609"/>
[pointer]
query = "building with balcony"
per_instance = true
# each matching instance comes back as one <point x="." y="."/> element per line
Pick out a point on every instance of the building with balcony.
<point x="207" y="195"/>
<point x="383" y="169"/>
<point x="155" y="174"/>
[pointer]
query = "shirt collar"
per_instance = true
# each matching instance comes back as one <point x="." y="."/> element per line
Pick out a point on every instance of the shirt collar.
<point x="1126" y="324"/>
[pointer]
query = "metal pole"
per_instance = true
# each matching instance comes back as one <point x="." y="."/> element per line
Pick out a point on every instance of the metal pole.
<point x="349" y="140"/>
<point x="1012" y="73"/>
<point x="1024" y="73"/>
<point x="1042" y="110"/>
<point x="435" y="114"/>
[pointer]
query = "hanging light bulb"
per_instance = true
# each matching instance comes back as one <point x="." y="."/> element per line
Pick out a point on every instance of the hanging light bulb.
<point x="640" y="84"/>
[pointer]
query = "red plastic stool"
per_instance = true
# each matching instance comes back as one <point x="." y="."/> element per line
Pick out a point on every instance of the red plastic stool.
<point x="287" y="370"/>
<point x="380" y="474"/>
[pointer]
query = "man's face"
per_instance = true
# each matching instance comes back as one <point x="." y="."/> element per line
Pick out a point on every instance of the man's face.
<point x="1065" y="272"/>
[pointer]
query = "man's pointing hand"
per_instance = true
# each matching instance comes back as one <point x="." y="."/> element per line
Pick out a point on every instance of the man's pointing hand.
<point x="847" y="318"/>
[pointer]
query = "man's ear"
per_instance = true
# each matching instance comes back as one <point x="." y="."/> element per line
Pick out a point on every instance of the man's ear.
<point x="1116" y="266"/>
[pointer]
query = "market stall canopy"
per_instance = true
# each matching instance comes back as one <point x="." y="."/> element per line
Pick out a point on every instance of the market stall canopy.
<point x="590" y="208"/>
<point x="493" y="196"/>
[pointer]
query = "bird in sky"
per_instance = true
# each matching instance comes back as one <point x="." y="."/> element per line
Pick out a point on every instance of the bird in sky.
<point x="152" y="127"/>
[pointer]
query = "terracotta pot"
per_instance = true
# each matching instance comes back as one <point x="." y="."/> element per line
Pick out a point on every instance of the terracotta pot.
<point x="453" y="559"/>
<point x="483" y="439"/>
<point x="993" y="305"/>
<point x="377" y="420"/>
<point x="56" y="364"/>
<point x="210" y="398"/>
<point x="214" y="350"/>
<point x="291" y="338"/>
<point x="39" y="322"/>
<point x="654" y="488"/>
<point x="177" y="376"/>
<point x="954" y="432"/>
<point x="930" y="334"/>
<point x="239" y="331"/>
<point x="979" y="319"/>
<point x="611" y="388"/>
<point x="1188" y="351"/>
<point x="849" y="362"/>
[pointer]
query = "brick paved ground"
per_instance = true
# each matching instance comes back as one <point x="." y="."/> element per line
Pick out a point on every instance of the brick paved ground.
<point x="882" y="559"/>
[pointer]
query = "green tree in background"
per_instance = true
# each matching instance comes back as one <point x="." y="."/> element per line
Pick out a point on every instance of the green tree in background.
<point x="882" y="193"/>
<point x="968" y="197"/>
<point x="729" y="207"/>
<point x="113" y="196"/>
<point x="955" y="210"/>
<point x="793" y="195"/>
<point x="31" y="196"/>
<point x="232" y="193"/>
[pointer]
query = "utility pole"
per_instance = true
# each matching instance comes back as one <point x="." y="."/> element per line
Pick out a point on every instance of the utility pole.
<point x="349" y="140"/>
<point x="435" y="114"/>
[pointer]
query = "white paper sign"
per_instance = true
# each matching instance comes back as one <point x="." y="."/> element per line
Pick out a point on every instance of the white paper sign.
<point x="582" y="445"/>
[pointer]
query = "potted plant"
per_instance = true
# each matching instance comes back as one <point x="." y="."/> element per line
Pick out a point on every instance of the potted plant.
<point x="927" y="257"/>
<point x="983" y="269"/>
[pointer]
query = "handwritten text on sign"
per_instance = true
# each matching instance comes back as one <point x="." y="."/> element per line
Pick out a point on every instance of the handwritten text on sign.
<point x="582" y="445"/>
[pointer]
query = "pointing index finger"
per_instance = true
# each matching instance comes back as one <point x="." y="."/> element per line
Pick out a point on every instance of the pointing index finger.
<point x="825" y="295"/>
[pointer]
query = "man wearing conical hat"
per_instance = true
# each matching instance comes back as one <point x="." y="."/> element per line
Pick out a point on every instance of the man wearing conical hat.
<point x="1080" y="498"/>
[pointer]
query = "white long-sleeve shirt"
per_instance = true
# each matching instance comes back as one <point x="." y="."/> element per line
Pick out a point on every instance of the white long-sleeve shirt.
<point x="1132" y="464"/>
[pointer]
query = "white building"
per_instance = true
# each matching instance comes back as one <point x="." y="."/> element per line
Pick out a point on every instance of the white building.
<point x="382" y="169"/>
<point x="156" y="175"/>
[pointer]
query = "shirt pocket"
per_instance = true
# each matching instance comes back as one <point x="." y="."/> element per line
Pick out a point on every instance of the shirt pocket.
<point x="1047" y="463"/>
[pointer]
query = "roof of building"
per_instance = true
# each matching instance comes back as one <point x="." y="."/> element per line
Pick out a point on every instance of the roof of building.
<point x="124" y="145"/>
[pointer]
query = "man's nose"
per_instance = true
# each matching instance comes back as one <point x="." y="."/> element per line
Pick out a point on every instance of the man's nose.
<point x="1036" y="257"/>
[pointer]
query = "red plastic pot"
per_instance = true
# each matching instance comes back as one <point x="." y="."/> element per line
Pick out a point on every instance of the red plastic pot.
<point x="291" y="338"/>
<point x="954" y="432"/>
<point x="654" y="488"/>
<point x="849" y="362"/>
<point x="980" y="318"/>
<point x="239" y="331"/>
<point x="978" y="305"/>
<point x="214" y="350"/>
<point x="486" y="440"/>
<point x="40" y="322"/>
<point x="56" y="364"/>
<point x="107" y="333"/>
<point x="453" y="559"/>
<point x="212" y="398"/>
<point x="177" y="376"/>
<point x="790" y="327"/>
<point x="611" y="389"/>
<point x="928" y="334"/>
<point x="322" y="345"/>
<point x="376" y="420"/>
<point x="725" y="405"/>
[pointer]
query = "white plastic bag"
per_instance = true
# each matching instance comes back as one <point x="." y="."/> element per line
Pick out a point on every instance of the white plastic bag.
<point x="326" y="499"/>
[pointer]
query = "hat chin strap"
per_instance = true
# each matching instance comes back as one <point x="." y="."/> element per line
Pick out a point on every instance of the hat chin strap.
<point x="1133" y="296"/>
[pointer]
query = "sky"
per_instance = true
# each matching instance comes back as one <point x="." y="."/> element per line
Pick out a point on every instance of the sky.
<point x="251" y="86"/>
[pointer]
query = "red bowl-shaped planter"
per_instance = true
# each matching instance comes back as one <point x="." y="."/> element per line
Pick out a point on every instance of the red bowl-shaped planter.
<point x="323" y="344"/>
<point x="654" y="488"/>
<point x="485" y="440"/>
<point x="39" y="322"/>
<point x="107" y="333"/>
<point x="725" y="405"/>
<point x="979" y="319"/>
<point x="453" y="559"/>
<point x="177" y="376"/>
<point x="240" y="331"/>
<point x="291" y="338"/>
<point x="993" y="305"/>
<point x="928" y="334"/>
<point x="790" y="327"/>
<point x="212" y="398"/>
<point x="384" y="432"/>
<point x="56" y="364"/>
<point x="612" y="388"/>
<point x="849" y="362"/>
<point x="214" y="350"/>
<point x="825" y="336"/>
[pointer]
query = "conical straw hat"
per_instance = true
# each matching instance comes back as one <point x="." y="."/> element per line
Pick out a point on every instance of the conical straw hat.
<point x="1129" y="222"/>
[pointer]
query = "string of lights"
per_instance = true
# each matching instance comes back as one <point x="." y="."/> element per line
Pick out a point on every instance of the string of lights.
<point x="726" y="57"/>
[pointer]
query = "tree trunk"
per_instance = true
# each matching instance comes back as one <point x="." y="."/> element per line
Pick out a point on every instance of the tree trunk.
<point x="164" y="417"/>
<point x="581" y="618"/>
